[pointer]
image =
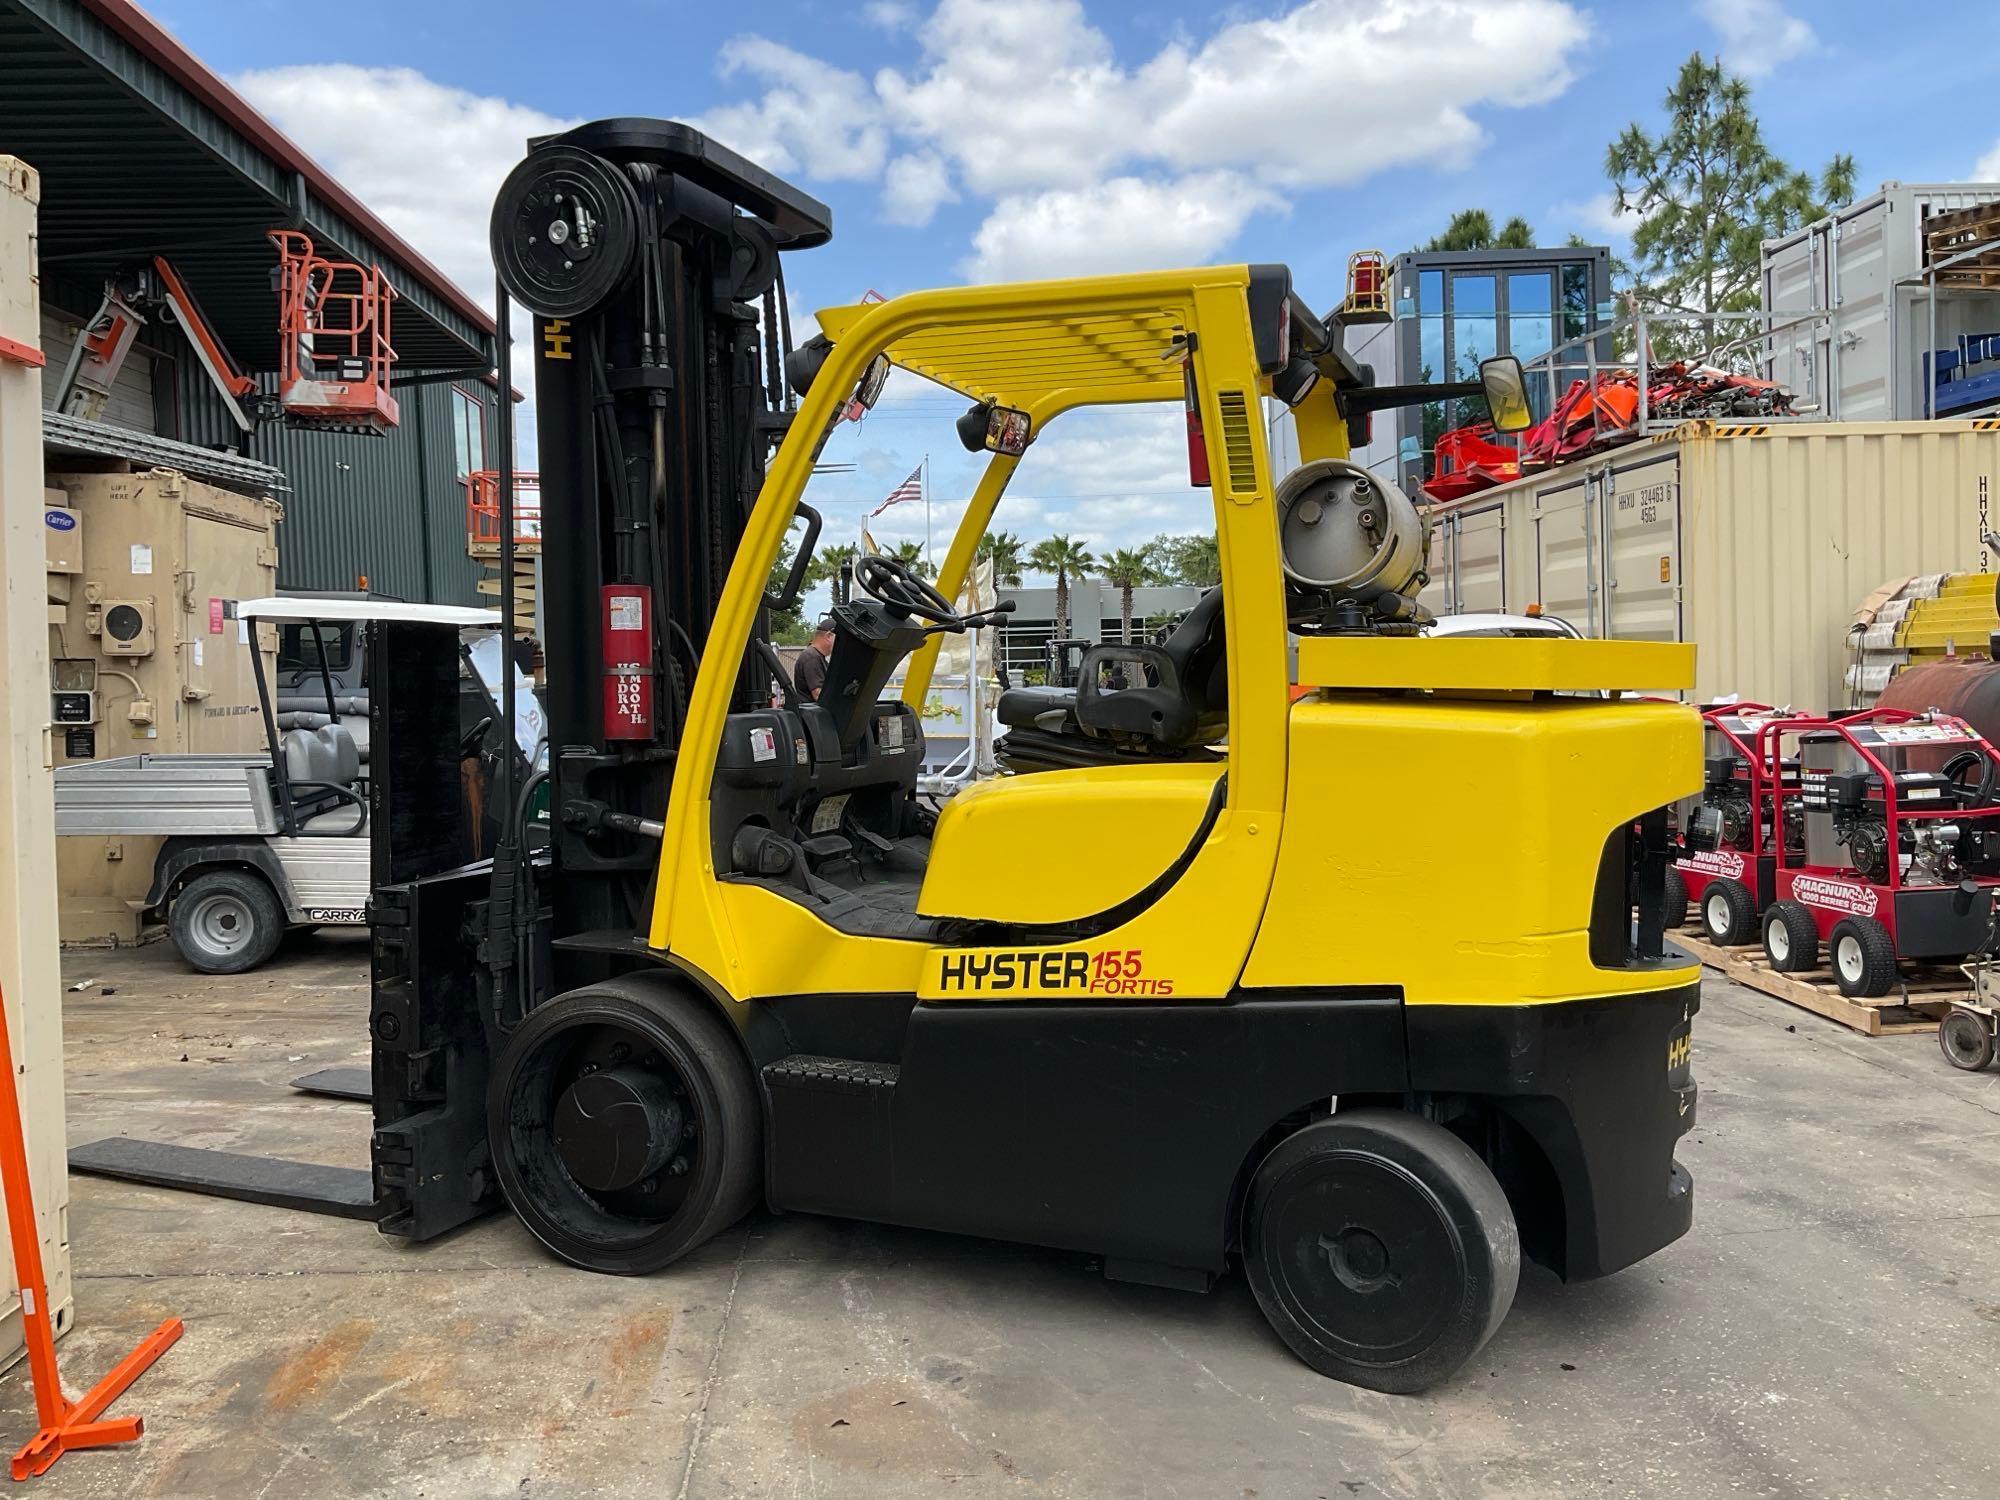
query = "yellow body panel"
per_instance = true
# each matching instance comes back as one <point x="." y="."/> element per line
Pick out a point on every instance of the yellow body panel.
<point x="1075" y="842"/>
<point x="1450" y="846"/>
<point x="1495" y="664"/>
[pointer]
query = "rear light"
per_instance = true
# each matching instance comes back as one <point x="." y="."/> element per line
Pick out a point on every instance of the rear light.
<point x="1197" y="439"/>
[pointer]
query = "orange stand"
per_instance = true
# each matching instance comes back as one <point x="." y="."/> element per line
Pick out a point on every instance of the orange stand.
<point x="66" y="1425"/>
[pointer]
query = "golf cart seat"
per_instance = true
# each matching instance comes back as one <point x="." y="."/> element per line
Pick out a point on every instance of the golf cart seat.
<point x="323" y="769"/>
<point x="1164" y="702"/>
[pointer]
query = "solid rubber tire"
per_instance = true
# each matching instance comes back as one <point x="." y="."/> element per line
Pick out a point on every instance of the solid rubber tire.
<point x="1965" y="1041"/>
<point x="1461" y="1210"/>
<point x="267" y="920"/>
<point x="705" y="1055"/>
<point x="1801" y="933"/>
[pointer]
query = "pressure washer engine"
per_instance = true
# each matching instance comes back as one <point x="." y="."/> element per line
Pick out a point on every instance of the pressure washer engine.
<point x="1728" y="871"/>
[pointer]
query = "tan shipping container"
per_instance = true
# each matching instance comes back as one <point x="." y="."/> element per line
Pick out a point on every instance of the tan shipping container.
<point x="145" y="572"/>
<point x="1754" y="541"/>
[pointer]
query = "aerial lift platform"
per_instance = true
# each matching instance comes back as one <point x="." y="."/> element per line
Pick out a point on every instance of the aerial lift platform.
<point x="1347" y="990"/>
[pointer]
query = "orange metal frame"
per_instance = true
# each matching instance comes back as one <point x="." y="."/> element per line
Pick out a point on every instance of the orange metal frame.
<point x="333" y="315"/>
<point x="482" y="508"/>
<point x="66" y="1425"/>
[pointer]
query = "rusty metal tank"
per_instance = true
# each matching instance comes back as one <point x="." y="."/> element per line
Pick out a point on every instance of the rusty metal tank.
<point x="1967" y="687"/>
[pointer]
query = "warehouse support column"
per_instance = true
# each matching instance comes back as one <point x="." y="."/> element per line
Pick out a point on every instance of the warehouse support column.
<point x="29" y="976"/>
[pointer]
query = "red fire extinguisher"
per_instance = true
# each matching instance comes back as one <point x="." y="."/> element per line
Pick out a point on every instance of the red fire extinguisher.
<point x="628" y="662"/>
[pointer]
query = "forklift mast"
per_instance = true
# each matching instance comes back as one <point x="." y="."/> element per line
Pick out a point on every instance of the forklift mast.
<point x="650" y="258"/>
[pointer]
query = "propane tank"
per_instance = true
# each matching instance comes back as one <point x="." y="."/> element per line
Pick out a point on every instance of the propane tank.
<point x="1352" y="536"/>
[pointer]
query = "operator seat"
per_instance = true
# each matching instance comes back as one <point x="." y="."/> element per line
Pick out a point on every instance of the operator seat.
<point x="1173" y="704"/>
<point x="323" y="769"/>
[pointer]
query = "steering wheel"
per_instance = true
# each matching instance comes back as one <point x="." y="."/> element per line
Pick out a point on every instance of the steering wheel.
<point x="896" y="584"/>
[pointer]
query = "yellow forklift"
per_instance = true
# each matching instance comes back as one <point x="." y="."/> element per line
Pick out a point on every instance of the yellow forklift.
<point x="1349" y="990"/>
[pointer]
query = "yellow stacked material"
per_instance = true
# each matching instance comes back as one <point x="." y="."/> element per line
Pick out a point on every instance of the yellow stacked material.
<point x="1928" y="618"/>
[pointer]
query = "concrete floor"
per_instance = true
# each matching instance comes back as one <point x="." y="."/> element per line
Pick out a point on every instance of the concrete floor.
<point x="1831" y="1327"/>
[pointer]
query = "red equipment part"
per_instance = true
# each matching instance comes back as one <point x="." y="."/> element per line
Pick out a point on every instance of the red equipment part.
<point x="66" y="1425"/>
<point x="628" y="661"/>
<point x="1737" y="782"/>
<point x="1898" y="861"/>
<point x="334" y="350"/>
<point x="1468" y="460"/>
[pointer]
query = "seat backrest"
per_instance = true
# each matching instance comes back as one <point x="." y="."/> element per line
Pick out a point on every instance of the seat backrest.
<point x="344" y="755"/>
<point x="326" y="755"/>
<point x="1199" y="651"/>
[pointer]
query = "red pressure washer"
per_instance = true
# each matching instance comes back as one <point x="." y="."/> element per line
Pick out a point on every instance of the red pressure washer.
<point x="1733" y="882"/>
<point x="1900" y="848"/>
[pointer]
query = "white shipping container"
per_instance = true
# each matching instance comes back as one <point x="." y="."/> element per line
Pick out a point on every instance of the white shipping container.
<point x="1754" y="541"/>
<point x="1863" y="359"/>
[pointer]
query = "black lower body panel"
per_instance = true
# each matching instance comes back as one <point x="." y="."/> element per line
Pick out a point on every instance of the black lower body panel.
<point x="1603" y="1088"/>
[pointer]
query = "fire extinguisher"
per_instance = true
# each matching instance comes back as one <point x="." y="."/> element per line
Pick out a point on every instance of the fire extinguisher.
<point x="628" y="661"/>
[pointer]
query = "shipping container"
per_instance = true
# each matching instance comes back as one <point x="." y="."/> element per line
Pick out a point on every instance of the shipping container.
<point x="1757" y="542"/>
<point x="1864" y="359"/>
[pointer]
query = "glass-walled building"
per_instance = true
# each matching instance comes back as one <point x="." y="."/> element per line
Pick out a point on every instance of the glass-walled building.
<point x="1454" y="308"/>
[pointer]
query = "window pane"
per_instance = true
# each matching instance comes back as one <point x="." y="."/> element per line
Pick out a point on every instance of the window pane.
<point x="1472" y="294"/>
<point x="1530" y="292"/>
<point x="461" y="434"/>
<point x="1576" y="301"/>
<point x="1472" y="339"/>
<point x="1529" y="337"/>
<point x="1430" y="291"/>
<point x="1430" y="348"/>
<point x="475" y="433"/>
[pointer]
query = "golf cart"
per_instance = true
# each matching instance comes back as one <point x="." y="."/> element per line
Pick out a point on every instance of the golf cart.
<point x="260" y="842"/>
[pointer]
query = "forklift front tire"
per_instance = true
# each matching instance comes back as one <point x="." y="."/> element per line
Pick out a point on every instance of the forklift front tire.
<point x="1864" y="957"/>
<point x="1674" y="900"/>
<point x="1965" y="1041"/>
<point x="1791" y="938"/>
<point x="1728" y="913"/>
<point x="1381" y="1249"/>
<point x="226" y="921"/>
<point x="625" y="1125"/>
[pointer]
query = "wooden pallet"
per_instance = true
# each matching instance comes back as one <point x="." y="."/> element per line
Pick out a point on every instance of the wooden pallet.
<point x="1923" y="994"/>
<point x="1946" y="234"/>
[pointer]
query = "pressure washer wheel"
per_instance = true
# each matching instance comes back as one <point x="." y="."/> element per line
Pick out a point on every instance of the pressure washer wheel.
<point x="1864" y="957"/>
<point x="1674" y="900"/>
<point x="1729" y="913"/>
<point x="1965" y="1040"/>
<point x="1791" y="937"/>
<point x="1380" y="1248"/>
<point x="227" y="921"/>
<point x="625" y="1125"/>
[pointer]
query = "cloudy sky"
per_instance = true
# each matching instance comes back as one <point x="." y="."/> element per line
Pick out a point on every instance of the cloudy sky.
<point x="991" y="139"/>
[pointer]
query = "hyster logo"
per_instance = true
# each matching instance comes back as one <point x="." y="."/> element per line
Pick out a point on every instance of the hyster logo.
<point x="1108" y="971"/>
<point x="1835" y="895"/>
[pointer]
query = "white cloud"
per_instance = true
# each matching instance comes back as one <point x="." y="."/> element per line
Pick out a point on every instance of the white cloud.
<point x="914" y="186"/>
<point x="1125" y="224"/>
<point x="1757" y="35"/>
<point x="890" y="15"/>
<point x="1595" y="218"/>
<point x="1988" y="166"/>
<point x="812" y="118"/>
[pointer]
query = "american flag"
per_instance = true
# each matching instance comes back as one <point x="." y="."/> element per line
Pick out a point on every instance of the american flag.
<point x="910" y="489"/>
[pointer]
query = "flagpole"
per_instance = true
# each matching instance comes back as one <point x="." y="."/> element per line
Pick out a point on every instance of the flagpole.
<point x="925" y="484"/>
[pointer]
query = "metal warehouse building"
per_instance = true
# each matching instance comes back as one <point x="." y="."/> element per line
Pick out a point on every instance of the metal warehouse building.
<point x="143" y="152"/>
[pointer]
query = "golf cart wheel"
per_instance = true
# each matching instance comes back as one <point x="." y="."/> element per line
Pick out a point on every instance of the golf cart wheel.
<point x="1863" y="957"/>
<point x="1728" y="914"/>
<point x="1380" y="1248"/>
<point x="1674" y="900"/>
<point x="1791" y="938"/>
<point x="1965" y="1041"/>
<point x="226" y="921"/>
<point x="625" y="1125"/>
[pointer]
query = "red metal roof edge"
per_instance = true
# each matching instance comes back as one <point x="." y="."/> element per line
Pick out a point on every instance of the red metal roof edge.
<point x="162" y="48"/>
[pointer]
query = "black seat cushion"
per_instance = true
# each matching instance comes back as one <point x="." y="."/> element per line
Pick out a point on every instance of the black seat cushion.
<point x="1024" y="707"/>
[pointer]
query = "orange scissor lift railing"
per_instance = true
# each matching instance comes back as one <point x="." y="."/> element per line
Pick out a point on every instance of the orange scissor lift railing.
<point x="482" y="512"/>
<point x="335" y="353"/>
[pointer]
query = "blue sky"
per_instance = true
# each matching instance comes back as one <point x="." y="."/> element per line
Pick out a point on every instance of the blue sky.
<point x="977" y="140"/>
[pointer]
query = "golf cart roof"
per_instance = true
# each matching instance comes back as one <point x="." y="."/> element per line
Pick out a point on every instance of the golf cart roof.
<point x="302" y="609"/>
<point x="1124" y="353"/>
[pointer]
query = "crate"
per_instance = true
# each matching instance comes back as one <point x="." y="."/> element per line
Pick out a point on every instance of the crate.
<point x="1951" y="233"/>
<point x="1922" y="995"/>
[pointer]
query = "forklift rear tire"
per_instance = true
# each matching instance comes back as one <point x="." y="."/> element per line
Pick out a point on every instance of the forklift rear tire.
<point x="625" y="1125"/>
<point x="1791" y="937"/>
<point x="1965" y="1041"/>
<point x="1729" y="913"/>
<point x="1863" y="957"/>
<point x="1380" y="1248"/>
<point x="1674" y="900"/>
<point x="227" y="921"/>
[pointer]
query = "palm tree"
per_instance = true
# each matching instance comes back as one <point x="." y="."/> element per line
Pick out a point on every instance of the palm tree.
<point x="826" y="565"/>
<point x="1003" y="550"/>
<point x="911" y="555"/>
<point x="1061" y="556"/>
<point x="1125" y="570"/>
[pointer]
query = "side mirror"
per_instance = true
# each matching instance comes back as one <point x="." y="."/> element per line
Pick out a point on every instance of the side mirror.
<point x="1506" y="386"/>
<point x="995" y="429"/>
<point x="869" y="390"/>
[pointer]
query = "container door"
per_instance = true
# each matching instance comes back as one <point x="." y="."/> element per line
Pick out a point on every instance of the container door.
<point x="1479" y="556"/>
<point x="223" y="564"/>
<point x="1565" y="562"/>
<point x="1863" y="384"/>
<point x="1642" y="551"/>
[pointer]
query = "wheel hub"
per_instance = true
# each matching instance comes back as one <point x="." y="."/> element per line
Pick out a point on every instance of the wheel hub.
<point x="617" y="1127"/>
<point x="1359" y="1259"/>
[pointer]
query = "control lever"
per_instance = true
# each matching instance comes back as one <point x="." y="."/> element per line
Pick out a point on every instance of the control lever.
<point x="974" y="622"/>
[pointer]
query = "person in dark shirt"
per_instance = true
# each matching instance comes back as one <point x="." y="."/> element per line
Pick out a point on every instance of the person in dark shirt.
<point x="809" y="671"/>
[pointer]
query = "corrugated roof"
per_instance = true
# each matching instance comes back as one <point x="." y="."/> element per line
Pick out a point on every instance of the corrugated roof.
<point x="61" y="434"/>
